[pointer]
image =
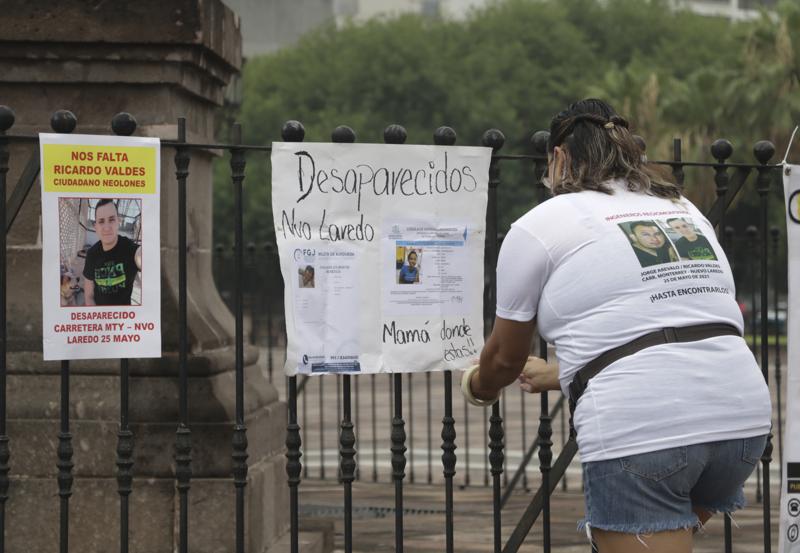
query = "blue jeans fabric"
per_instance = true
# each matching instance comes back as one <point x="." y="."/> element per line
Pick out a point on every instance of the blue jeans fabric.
<point x="655" y="491"/>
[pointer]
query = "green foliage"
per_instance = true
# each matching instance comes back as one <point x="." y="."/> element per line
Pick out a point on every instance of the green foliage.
<point x="512" y="65"/>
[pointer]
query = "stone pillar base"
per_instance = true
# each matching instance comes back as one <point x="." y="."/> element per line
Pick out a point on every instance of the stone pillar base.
<point x="32" y="519"/>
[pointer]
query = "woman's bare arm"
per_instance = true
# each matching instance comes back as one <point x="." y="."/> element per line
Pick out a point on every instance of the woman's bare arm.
<point x="503" y="357"/>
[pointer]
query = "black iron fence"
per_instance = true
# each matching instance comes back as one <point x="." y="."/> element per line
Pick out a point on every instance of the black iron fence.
<point x="494" y="451"/>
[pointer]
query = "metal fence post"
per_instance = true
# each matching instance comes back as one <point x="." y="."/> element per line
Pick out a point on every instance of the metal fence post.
<point x="239" y="441"/>
<point x="466" y="444"/>
<point x="395" y="134"/>
<point x="729" y="234"/>
<point x="347" y="437"/>
<point x="494" y="139"/>
<point x="293" y="131"/>
<point x="446" y="136"/>
<point x="321" y="408"/>
<point x="65" y="463"/>
<point x="763" y="151"/>
<point x="411" y="426"/>
<point x="721" y="149"/>
<point x="545" y="431"/>
<point x="357" y="402"/>
<point x="124" y="124"/>
<point x="545" y="455"/>
<point x="429" y="422"/>
<point x="398" y="449"/>
<point x="751" y="232"/>
<point x="64" y="122"/>
<point x="125" y="443"/>
<point x="183" y="438"/>
<point x="373" y="425"/>
<point x="6" y="122"/>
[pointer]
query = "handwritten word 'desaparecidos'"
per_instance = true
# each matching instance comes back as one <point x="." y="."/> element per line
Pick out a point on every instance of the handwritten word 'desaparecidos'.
<point x="437" y="177"/>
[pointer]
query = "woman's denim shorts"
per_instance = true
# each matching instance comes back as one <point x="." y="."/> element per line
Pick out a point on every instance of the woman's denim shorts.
<point x="656" y="491"/>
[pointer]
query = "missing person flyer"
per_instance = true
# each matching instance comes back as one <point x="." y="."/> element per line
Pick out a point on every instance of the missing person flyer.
<point x="381" y="249"/>
<point x="101" y="270"/>
<point x="790" y="486"/>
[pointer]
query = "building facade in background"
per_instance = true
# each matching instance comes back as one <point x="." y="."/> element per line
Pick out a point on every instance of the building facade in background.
<point x="268" y="25"/>
<point x="734" y="9"/>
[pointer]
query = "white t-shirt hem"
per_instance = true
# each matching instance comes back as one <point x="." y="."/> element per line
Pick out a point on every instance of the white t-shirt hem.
<point x="673" y="441"/>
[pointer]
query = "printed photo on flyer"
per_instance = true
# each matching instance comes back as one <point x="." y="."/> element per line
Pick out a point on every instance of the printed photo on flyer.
<point x="100" y="249"/>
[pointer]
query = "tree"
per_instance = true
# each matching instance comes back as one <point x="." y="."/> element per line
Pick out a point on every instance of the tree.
<point x="512" y="65"/>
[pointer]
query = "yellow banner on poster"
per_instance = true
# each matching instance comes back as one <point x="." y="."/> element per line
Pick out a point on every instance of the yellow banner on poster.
<point x="106" y="169"/>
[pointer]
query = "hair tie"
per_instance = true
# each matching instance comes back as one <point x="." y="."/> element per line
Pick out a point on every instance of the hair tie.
<point x="609" y="125"/>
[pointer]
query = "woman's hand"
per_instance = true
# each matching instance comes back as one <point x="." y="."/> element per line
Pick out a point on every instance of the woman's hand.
<point x="538" y="376"/>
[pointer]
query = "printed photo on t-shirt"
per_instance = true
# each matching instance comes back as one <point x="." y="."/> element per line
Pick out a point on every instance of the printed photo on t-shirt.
<point x="100" y="249"/>
<point x="649" y="242"/>
<point x="408" y="264"/>
<point x="690" y="242"/>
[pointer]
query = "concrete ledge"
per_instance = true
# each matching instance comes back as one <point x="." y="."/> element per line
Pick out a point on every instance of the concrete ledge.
<point x="207" y="23"/>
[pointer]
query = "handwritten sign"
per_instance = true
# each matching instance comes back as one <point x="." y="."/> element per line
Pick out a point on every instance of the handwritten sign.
<point x="381" y="249"/>
<point x="101" y="244"/>
<point x="790" y="486"/>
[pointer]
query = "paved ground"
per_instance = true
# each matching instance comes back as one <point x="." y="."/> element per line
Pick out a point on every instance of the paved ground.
<point x="373" y="520"/>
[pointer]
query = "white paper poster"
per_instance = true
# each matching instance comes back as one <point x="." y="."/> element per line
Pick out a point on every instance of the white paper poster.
<point x="101" y="244"/>
<point x="790" y="486"/>
<point x="381" y="250"/>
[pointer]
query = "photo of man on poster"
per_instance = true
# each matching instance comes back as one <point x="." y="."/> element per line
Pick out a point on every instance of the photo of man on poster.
<point x="113" y="262"/>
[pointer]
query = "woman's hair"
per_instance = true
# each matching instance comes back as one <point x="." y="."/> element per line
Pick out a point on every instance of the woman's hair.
<point x="412" y="252"/>
<point x="600" y="147"/>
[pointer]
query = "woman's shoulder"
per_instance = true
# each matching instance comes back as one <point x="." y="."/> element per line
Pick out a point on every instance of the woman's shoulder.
<point x="549" y="211"/>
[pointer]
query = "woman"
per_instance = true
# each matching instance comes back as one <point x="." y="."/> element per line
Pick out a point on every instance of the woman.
<point x="676" y="417"/>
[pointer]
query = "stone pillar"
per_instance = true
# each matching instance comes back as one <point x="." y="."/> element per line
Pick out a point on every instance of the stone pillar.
<point x="159" y="61"/>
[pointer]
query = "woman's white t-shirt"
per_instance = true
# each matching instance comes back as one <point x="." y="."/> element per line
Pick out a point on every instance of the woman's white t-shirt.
<point x="594" y="283"/>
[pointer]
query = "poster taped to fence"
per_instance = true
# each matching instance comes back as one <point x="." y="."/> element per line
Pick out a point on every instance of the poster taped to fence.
<point x="101" y="244"/>
<point x="790" y="486"/>
<point x="381" y="251"/>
